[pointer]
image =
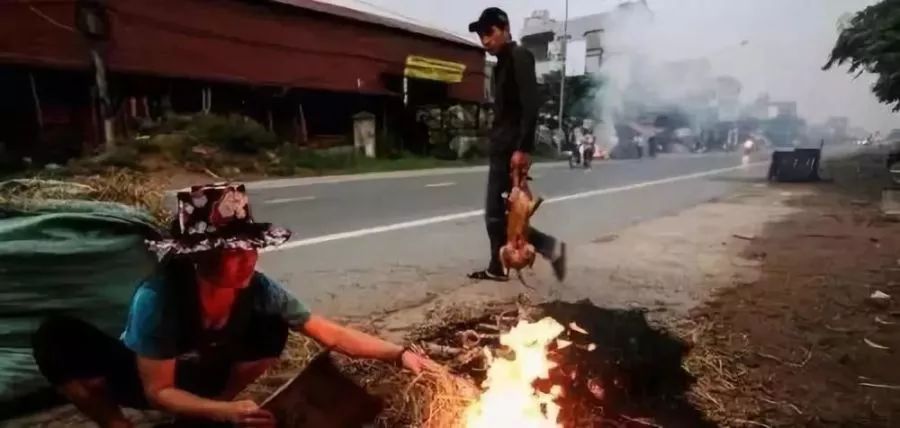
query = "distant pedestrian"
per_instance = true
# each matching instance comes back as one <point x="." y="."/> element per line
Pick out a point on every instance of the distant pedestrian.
<point x="515" y="118"/>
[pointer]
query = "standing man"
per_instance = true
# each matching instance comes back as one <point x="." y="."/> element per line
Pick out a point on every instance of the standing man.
<point x="515" y="118"/>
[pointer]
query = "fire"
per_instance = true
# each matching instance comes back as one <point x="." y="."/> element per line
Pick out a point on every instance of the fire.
<point x="509" y="399"/>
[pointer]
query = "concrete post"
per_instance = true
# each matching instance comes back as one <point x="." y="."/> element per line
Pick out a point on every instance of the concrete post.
<point x="364" y="133"/>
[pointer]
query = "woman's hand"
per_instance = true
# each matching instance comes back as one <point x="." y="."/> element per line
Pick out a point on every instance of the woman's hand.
<point x="417" y="363"/>
<point x="247" y="414"/>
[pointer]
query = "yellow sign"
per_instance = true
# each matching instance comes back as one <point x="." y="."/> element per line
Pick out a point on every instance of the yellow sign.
<point x="434" y="69"/>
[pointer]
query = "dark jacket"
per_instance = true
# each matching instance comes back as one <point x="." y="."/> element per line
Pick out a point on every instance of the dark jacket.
<point x="516" y="101"/>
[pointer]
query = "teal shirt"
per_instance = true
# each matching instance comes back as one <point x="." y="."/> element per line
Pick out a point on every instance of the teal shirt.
<point x="152" y="329"/>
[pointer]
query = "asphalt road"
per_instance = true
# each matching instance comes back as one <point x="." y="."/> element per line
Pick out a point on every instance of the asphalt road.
<point x="362" y="245"/>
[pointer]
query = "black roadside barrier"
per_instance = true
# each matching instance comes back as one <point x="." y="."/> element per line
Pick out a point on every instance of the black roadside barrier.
<point x="798" y="165"/>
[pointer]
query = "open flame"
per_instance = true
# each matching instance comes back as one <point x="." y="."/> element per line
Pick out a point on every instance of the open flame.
<point x="509" y="398"/>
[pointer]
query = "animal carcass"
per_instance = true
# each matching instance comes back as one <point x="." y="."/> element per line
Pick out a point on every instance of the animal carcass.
<point x="520" y="206"/>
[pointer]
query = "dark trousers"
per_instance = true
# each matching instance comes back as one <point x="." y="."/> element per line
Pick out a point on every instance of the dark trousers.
<point x="499" y="183"/>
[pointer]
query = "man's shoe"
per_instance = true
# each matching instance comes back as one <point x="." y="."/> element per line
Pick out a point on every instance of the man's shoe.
<point x="487" y="275"/>
<point x="559" y="263"/>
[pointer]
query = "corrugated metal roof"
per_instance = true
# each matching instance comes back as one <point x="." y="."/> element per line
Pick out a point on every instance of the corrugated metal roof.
<point x="355" y="10"/>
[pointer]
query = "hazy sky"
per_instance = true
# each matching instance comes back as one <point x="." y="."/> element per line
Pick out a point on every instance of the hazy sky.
<point x="788" y="42"/>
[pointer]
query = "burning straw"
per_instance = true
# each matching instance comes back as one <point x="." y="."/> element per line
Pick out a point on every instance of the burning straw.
<point x="613" y="369"/>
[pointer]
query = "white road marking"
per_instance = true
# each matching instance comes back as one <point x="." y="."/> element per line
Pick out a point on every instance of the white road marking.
<point x="289" y="200"/>
<point x="444" y="184"/>
<point x="475" y="213"/>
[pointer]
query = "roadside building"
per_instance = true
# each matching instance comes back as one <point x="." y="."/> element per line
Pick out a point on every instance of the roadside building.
<point x="300" y="67"/>
<point x="785" y="108"/>
<point x="544" y="35"/>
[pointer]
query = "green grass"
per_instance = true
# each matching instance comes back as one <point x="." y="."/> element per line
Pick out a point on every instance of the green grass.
<point x="292" y="161"/>
<point x="405" y="163"/>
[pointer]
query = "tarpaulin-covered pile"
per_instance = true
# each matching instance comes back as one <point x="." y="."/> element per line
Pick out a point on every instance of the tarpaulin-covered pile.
<point x="82" y="258"/>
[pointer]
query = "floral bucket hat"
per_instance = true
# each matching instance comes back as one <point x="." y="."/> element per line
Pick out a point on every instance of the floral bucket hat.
<point x="216" y="216"/>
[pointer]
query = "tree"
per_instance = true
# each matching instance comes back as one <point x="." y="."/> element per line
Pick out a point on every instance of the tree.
<point x="580" y="100"/>
<point x="870" y="42"/>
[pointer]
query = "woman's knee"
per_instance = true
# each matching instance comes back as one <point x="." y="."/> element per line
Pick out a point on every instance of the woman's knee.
<point x="60" y="345"/>
<point x="53" y="329"/>
<point x="49" y="342"/>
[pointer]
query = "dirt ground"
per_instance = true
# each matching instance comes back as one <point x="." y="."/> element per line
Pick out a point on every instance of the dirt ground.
<point x="770" y="286"/>
<point x="804" y="345"/>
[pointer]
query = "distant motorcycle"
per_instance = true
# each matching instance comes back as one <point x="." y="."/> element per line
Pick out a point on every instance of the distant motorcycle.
<point x="582" y="156"/>
<point x="750" y="146"/>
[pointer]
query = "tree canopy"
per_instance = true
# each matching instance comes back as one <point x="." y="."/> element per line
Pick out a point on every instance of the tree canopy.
<point x="870" y="42"/>
<point x="580" y="95"/>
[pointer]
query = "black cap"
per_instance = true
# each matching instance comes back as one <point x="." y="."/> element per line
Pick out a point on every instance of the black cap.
<point x="490" y="17"/>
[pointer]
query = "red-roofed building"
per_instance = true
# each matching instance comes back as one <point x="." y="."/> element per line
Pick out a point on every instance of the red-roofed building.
<point x="264" y="58"/>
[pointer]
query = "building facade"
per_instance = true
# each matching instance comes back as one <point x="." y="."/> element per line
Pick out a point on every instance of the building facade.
<point x="543" y="35"/>
<point x="266" y="59"/>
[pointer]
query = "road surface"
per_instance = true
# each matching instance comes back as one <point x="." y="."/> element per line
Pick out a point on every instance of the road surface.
<point x="363" y="245"/>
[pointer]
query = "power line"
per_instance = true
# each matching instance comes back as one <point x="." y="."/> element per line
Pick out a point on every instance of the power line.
<point x="409" y="18"/>
<point x="46" y="17"/>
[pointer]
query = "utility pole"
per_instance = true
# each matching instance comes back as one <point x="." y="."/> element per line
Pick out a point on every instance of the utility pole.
<point x="92" y="22"/>
<point x="562" y="77"/>
<point x="109" y="136"/>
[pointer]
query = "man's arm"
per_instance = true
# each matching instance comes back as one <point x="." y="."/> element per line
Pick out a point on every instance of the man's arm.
<point x="523" y="66"/>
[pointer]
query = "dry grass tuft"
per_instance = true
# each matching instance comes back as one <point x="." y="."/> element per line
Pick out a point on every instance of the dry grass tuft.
<point x="720" y="373"/>
<point x="429" y="400"/>
<point x="122" y="186"/>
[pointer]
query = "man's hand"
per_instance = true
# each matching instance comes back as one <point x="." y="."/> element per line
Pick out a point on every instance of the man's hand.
<point x="247" y="414"/>
<point x="526" y="158"/>
<point x="417" y="363"/>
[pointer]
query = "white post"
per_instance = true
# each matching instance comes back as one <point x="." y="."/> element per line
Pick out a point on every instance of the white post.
<point x="405" y="91"/>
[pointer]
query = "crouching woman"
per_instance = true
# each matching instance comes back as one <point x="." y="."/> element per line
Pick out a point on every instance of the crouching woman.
<point x="204" y="326"/>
